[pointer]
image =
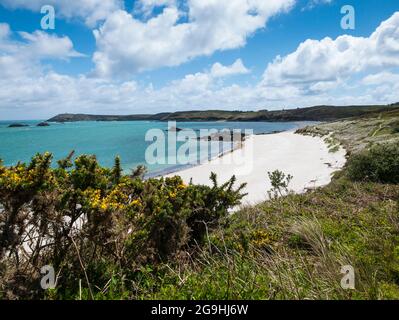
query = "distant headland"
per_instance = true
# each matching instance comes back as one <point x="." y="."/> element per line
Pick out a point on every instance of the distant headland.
<point x="317" y="113"/>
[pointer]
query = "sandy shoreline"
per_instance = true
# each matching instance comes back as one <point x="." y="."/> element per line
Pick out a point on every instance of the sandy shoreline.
<point x="306" y="158"/>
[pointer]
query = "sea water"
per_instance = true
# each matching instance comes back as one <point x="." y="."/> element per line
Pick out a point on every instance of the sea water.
<point x="106" y="140"/>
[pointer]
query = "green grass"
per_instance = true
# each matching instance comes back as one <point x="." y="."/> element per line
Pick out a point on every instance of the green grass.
<point x="293" y="248"/>
<point x="357" y="134"/>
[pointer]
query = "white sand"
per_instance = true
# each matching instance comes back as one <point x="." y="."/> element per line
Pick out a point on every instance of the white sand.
<point x="306" y="158"/>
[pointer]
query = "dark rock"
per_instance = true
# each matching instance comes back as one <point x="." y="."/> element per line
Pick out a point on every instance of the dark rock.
<point x="18" y="125"/>
<point x="174" y="129"/>
<point x="43" y="124"/>
<point x="225" y="136"/>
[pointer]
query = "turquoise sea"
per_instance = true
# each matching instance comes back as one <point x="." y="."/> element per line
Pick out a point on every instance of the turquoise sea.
<point x="107" y="139"/>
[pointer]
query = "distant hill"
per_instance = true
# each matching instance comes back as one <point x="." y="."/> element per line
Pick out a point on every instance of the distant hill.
<point x="317" y="113"/>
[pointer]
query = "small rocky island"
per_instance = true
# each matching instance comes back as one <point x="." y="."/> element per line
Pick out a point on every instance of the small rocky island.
<point x="174" y="129"/>
<point x="43" y="124"/>
<point x="225" y="136"/>
<point x="18" y="125"/>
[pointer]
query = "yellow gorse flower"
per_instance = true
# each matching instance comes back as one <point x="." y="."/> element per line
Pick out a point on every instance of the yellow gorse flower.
<point x="136" y="202"/>
<point x="113" y="201"/>
<point x="182" y="186"/>
<point x="172" y="195"/>
<point x="261" y="238"/>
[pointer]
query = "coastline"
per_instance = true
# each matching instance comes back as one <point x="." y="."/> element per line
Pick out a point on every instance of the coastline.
<point x="306" y="158"/>
<point x="171" y="171"/>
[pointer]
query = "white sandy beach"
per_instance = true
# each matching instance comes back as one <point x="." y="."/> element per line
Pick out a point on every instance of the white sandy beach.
<point x="306" y="158"/>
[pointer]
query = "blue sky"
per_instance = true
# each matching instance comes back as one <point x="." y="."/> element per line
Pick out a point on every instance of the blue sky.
<point x="163" y="55"/>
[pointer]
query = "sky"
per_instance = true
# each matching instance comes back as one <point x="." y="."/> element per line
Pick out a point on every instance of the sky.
<point x="149" y="56"/>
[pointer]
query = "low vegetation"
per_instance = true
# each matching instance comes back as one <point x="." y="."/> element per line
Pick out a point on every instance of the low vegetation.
<point x="93" y="224"/>
<point x="357" y="134"/>
<point x="294" y="247"/>
<point x="110" y="236"/>
<point x="378" y="164"/>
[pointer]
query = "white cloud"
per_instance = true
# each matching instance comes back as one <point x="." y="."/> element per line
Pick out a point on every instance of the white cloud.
<point x="91" y="11"/>
<point x="219" y="70"/>
<point x="146" y="7"/>
<point x="206" y="81"/>
<point x="313" y="3"/>
<point x="4" y="31"/>
<point x="50" y="93"/>
<point x="331" y="60"/>
<point x="347" y="70"/>
<point x="44" y="45"/>
<point x="22" y="58"/>
<point x="37" y="45"/>
<point x="126" y="45"/>
<point x="381" y="78"/>
<point x="383" y="85"/>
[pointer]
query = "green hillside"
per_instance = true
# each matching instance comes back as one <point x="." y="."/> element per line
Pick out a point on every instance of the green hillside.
<point x="318" y="113"/>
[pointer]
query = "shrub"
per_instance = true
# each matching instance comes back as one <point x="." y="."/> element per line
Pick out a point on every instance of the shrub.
<point x="90" y="222"/>
<point x="280" y="182"/>
<point x="378" y="164"/>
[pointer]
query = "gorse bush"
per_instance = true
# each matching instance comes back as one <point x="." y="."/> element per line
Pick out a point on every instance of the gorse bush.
<point x="378" y="164"/>
<point x="93" y="224"/>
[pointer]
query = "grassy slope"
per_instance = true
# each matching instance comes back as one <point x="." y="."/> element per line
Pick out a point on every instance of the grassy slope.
<point x="357" y="134"/>
<point x="294" y="247"/>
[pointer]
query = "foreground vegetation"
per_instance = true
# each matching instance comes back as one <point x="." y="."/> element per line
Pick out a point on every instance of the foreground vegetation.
<point x="93" y="224"/>
<point x="119" y="237"/>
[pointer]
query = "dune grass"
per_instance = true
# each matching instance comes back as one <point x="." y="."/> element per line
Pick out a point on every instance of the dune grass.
<point x="294" y="247"/>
